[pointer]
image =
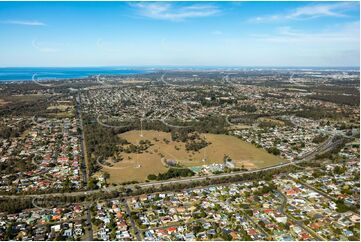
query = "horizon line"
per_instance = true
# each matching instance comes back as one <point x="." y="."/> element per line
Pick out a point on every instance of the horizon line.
<point x="182" y="66"/>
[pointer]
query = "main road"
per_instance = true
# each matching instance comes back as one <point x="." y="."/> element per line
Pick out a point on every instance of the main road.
<point x="84" y="164"/>
<point x="298" y="222"/>
<point x="325" y="146"/>
<point x="83" y="144"/>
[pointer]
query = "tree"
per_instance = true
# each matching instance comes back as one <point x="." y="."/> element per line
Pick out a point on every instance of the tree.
<point x="274" y="150"/>
<point x="92" y="183"/>
<point x="152" y="177"/>
<point x="226" y="236"/>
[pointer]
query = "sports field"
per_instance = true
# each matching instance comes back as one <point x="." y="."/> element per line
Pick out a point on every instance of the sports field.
<point x="139" y="166"/>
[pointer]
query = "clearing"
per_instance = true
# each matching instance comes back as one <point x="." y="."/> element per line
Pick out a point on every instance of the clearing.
<point x="139" y="166"/>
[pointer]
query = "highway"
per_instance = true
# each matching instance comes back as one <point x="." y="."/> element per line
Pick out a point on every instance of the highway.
<point x="84" y="164"/>
<point x="328" y="144"/>
<point x="83" y="145"/>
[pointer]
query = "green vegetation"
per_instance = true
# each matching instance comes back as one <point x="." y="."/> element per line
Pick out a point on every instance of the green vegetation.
<point x="7" y="132"/>
<point x="319" y="139"/>
<point x="274" y="150"/>
<point x="318" y="113"/>
<point x="248" y="108"/>
<point x="172" y="173"/>
<point x="341" y="207"/>
<point x="18" y="204"/>
<point x="331" y="153"/>
<point x="131" y="148"/>
<point x="353" y="100"/>
<point x="193" y="140"/>
<point x="101" y="142"/>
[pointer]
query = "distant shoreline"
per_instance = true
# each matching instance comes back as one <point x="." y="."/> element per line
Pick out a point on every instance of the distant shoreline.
<point x="23" y="74"/>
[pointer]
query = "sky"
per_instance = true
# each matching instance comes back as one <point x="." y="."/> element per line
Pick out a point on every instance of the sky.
<point x="65" y="34"/>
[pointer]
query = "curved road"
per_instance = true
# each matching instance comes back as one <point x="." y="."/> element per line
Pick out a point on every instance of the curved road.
<point x="298" y="222"/>
<point x="330" y="143"/>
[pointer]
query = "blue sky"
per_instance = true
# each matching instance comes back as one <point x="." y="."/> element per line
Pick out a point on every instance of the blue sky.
<point x="179" y="33"/>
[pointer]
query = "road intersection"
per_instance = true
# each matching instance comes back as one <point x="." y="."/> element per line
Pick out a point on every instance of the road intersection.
<point x="330" y="143"/>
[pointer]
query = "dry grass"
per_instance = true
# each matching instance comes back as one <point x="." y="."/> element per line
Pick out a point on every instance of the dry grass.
<point x="62" y="108"/>
<point x="134" y="81"/>
<point x="241" y="152"/>
<point x="6" y="101"/>
<point x="271" y="120"/>
<point x="239" y="126"/>
<point x="3" y="102"/>
<point x="66" y="109"/>
<point x="24" y="98"/>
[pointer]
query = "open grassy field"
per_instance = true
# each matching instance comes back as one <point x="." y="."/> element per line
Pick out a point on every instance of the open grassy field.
<point x="3" y="102"/>
<point x="62" y="109"/>
<point x="238" y="126"/>
<point x="14" y="100"/>
<point x="134" y="81"/>
<point x="23" y="98"/>
<point x="243" y="153"/>
<point x="271" y="120"/>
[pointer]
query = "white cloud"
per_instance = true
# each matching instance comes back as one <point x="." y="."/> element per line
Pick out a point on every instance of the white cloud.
<point x="24" y="22"/>
<point x="310" y="11"/>
<point x="347" y="34"/>
<point x="319" y="10"/>
<point x="169" y="11"/>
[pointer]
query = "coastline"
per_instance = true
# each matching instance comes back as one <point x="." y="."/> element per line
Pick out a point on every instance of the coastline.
<point x="15" y="74"/>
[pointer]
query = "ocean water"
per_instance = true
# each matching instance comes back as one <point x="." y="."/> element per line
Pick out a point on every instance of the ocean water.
<point x="26" y="73"/>
<point x="43" y="73"/>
